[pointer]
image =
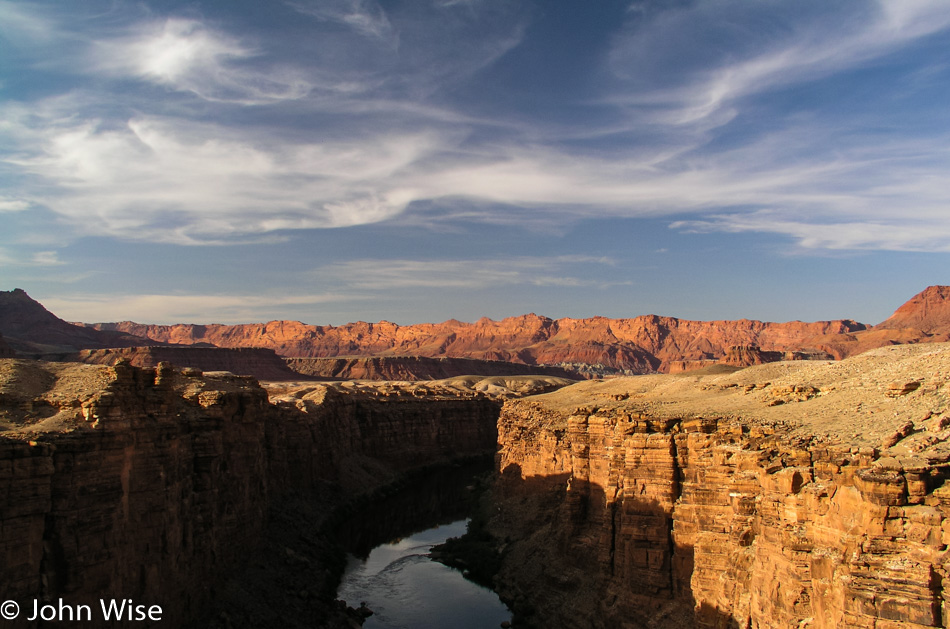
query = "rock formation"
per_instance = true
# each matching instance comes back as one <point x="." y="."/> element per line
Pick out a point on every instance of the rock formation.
<point x="32" y="330"/>
<point x="258" y="362"/>
<point x="592" y="346"/>
<point x="640" y="345"/>
<point x="790" y="494"/>
<point x="587" y="347"/>
<point x="784" y="495"/>
<point x="413" y="368"/>
<point x="927" y="312"/>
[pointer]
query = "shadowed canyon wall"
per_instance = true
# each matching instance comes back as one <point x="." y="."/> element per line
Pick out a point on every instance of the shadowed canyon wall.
<point x="154" y="485"/>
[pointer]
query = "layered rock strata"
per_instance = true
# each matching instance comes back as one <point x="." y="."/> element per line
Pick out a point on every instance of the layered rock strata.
<point x="597" y="345"/>
<point x="155" y="485"/>
<point x="593" y="346"/>
<point x="414" y="368"/>
<point x="261" y="363"/>
<point x="699" y="501"/>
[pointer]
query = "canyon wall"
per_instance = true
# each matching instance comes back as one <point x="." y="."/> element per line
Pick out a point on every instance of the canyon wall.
<point x="645" y="510"/>
<point x="591" y="346"/>
<point x="258" y="362"/>
<point x="594" y="345"/>
<point x="642" y="344"/>
<point x="155" y="485"/>
<point x="413" y="368"/>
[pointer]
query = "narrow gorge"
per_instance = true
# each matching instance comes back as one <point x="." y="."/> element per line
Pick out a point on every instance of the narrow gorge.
<point x="793" y="494"/>
<point x="164" y="485"/>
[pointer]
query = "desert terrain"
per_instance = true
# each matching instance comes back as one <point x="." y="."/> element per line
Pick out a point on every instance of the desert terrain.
<point x="751" y="490"/>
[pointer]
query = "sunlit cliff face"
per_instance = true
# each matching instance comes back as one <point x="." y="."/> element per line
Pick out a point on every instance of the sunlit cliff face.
<point x="774" y="495"/>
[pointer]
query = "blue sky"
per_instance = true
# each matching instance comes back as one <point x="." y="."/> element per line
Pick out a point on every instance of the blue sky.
<point x="419" y="160"/>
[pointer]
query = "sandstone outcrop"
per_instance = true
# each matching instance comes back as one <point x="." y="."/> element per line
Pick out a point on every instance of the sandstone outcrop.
<point x="592" y="346"/>
<point x="676" y="501"/>
<point x="640" y="345"/>
<point x="157" y="485"/>
<point x="492" y="387"/>
<point x="413" y="368"/>
<point x="928" y="312"/>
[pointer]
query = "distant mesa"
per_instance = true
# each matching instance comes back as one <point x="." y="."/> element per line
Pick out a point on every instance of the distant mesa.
<point x="590" y="347"/>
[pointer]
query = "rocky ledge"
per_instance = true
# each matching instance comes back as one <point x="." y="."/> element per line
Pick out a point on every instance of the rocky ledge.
<point x="793" y="494"/>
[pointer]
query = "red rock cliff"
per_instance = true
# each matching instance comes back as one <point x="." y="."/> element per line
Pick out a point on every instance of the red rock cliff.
<point x="640" y="345"/>
<point x="594" y="345"/>
<point x="676" y="502"/>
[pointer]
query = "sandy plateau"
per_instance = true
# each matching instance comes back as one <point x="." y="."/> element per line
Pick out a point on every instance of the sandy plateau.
<point x="864" y="401"/>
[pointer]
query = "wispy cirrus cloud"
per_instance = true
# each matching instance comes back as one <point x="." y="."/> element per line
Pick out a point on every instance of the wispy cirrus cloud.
<point x="772" y="47"/>
<point x="396" y="275"/>
<point x="366" y="17"/>
<point x="29" y="259"/>
<point x="236" y="157"/>
<point x="855" y="235"/>
<point x="186" y="55"/>
<point x="174" y="181"/>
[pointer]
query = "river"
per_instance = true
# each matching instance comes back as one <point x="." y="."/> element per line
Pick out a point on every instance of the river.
<point x="389" y="568"/>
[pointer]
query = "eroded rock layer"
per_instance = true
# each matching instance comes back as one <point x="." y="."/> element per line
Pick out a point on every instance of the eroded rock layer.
<point x="413" y="368"/>
<point x="595" y="345"/>
<point x="258" y="362"/>
<point x="676" y="501"/>
<point x="591" y="346"/>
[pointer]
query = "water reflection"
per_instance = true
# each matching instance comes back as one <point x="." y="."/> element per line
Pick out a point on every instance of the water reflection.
<point x="407" y="590"/>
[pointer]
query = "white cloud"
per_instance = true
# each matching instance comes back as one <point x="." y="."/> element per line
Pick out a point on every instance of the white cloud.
<point x="132" y="170"/>
<point x="13" y="205"/>
<point x="809" y="49"/>
<point x="20" y="258"/>
<point x="888" y="235"/>
<point x="168" y="180"/>
<point x="381" y="275"/>
<point x="186" y="55"/>
<point x="366" y="17"/>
